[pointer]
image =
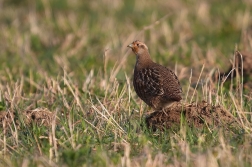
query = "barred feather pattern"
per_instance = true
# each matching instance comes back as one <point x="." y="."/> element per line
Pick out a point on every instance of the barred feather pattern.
<point x="157" y="85"/>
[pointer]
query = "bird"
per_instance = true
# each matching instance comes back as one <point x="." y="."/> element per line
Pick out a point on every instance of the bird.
<point x="156" y="85"/>
<point x="242" y="65"/>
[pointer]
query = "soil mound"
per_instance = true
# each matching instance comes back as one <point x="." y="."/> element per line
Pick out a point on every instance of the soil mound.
<point x="39" y="116"/>
<point x="195" y="114"/>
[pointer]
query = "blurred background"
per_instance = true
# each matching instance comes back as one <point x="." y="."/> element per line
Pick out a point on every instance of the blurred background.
<point x="43" y="37"/>
<point x="44" y="40"/>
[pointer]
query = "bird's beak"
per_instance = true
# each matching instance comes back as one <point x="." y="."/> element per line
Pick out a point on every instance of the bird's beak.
<point x="130" y="46"/>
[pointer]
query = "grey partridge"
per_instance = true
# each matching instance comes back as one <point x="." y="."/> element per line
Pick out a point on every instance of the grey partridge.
<point x="155" y="84"/>
<point x="242" y="65"/>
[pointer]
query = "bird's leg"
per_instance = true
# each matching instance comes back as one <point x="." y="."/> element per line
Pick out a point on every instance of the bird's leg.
<point x="163" y="110"/>
<point x="168" y="105"/>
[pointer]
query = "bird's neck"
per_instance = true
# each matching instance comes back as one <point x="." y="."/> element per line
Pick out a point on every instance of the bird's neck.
<point x="143" y="61"/>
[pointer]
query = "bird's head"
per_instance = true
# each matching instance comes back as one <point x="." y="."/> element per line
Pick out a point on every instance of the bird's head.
<point x="139" y="48"/>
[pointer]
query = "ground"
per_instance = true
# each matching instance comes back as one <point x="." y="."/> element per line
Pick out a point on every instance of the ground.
<point x="195" y="114"/>
<point x="66" y="93"/>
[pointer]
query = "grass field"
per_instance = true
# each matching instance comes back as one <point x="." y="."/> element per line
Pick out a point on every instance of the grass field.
<point x="68" y="59"/>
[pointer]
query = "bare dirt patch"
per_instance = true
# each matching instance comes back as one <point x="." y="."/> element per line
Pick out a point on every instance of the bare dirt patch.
<point x="195" y="114"/>
<point x="39" y="116"/>
<point x="6" y="117"/>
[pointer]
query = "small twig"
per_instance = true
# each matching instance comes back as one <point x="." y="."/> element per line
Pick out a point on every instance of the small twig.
<point x="190" y="81"/>
<point x="197" y="82"/>
<point x="241" y="92"/>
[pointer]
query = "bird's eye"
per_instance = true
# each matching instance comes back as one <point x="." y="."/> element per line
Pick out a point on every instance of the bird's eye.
<point x="138" y="44"/>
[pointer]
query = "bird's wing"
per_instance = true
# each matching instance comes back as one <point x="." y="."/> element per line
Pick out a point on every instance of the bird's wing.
<point x="150" y="80"/>
<point x="172" y="85"/>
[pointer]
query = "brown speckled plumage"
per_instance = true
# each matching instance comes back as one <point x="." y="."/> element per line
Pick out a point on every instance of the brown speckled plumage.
<point x="156" y="85"/>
